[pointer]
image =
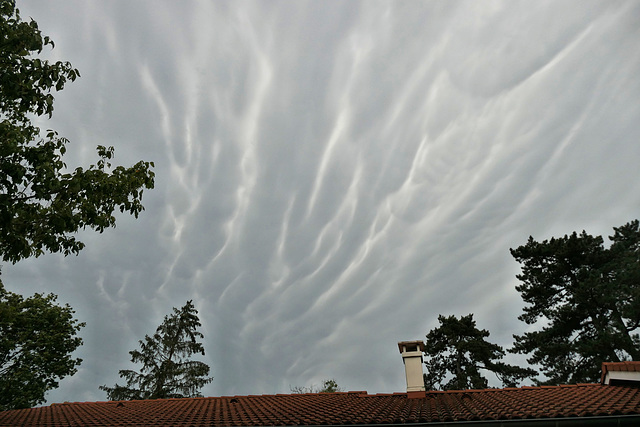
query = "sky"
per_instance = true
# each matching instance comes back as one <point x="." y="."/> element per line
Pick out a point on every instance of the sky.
<point x="332" y="176"/>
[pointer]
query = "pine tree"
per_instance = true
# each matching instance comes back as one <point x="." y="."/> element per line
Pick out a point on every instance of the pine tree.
<point x="457" y="351"/>
<point x="167" y="370"/>
<point x="587" y="299"/>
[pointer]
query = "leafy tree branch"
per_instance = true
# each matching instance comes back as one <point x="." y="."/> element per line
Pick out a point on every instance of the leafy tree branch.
<point x="37" y="337"/>
<point x="42" y="204"/>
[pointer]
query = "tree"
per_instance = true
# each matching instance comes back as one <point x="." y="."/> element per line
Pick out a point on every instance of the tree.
<point x="457" y="351"/>
<point x="328" y="386"/>
<point x="167" y="371"/>
<point x="37" y="337"/>
<point x="42" y="203"/>
<point x="586" y="297"/>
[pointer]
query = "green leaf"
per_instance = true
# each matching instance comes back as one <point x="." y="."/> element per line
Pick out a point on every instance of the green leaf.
<point x="37" y="337"/>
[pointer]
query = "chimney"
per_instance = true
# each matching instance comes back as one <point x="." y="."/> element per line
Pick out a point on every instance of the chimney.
<point x="412" y="357"/>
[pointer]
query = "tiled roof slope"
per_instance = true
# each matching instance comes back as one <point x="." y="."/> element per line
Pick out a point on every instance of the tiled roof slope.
<point x="629" y="370"/>
<point x="583" y="400"/>
<point x="620" y="366"/>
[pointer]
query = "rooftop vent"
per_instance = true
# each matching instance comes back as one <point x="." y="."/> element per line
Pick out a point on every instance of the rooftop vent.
<point x="412" y="357"/>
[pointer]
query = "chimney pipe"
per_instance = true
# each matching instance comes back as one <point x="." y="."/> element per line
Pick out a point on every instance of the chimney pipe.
<point x="412" y="357"/>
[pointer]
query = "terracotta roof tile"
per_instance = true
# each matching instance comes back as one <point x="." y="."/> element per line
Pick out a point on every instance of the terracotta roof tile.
<point x="621" y="366"/>
<point x="629" y="366"/>
<point x="340" y="408"/>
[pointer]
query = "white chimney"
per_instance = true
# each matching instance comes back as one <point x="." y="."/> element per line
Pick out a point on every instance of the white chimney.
<point x="412" y="357"/>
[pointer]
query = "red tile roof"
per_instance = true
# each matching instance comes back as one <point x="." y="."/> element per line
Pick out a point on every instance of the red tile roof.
<point x="582" y="400"/>
<point x="620" y="366"/>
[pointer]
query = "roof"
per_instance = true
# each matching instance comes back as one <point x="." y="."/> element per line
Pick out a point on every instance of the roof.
<point x="615" y="373"/>
<point x="582" y="400"/>
<point x="620" y="367"/>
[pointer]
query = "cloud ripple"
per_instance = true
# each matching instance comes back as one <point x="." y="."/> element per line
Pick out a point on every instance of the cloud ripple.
<point x="332" y="176"/>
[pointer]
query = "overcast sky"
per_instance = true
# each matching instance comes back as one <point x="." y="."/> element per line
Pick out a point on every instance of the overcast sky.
<point x="331" y="176"/>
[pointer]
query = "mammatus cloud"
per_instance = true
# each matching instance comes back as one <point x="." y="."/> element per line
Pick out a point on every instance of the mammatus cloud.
<point x="332" y="176"/>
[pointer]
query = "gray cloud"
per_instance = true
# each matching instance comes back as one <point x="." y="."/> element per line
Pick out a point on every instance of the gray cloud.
<point x="332" y="176"/>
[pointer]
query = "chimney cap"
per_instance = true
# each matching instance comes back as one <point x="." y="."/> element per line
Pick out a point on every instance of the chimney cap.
<point x="407" y="346"/>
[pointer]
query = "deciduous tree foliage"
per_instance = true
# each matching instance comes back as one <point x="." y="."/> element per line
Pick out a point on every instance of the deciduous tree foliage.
<point x="167" y="369"/>
<point x="37" y="337"/>
<point x="457" y="352"/>
<point x="587" y="299"/>
<point x="42" y="203"/>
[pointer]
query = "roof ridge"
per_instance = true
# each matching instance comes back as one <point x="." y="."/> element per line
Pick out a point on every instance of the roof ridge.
<point x="499" y="390"/>
<point x="359" y="393"/>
